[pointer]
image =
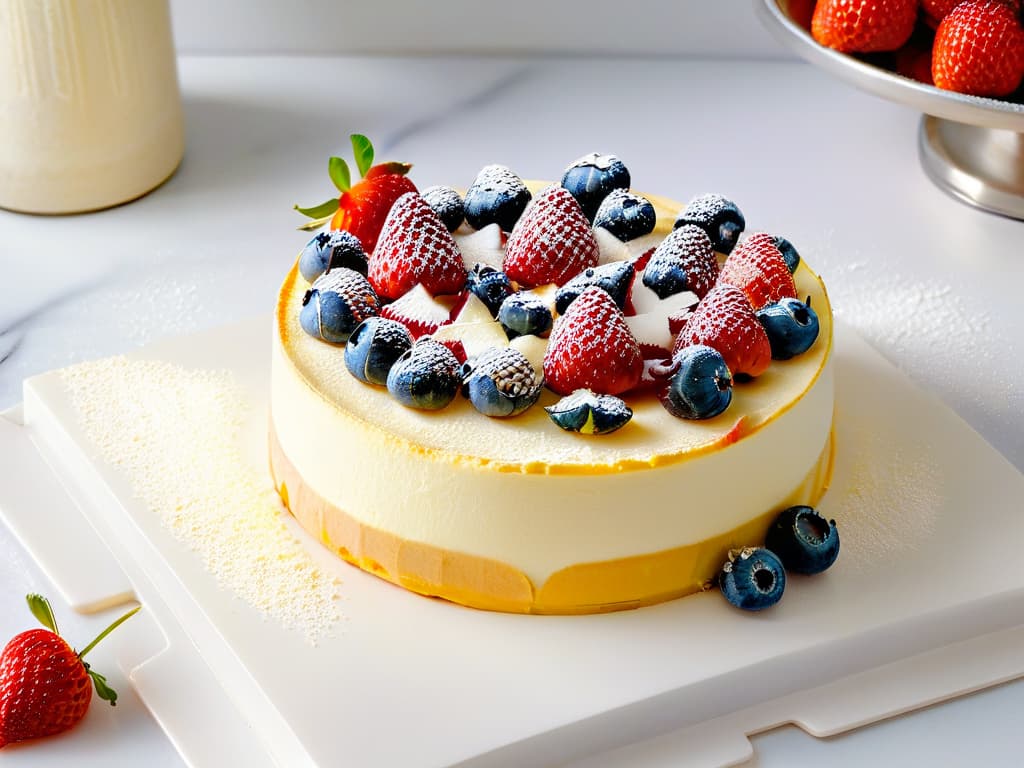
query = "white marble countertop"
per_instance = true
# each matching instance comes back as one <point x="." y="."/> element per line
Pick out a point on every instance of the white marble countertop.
<point x="931" y="283"/>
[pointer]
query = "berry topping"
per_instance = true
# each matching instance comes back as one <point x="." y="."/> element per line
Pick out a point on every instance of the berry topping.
<point x="979" y="49"/>
<point x="626" y="215"/>
<point x="758" y="269"/>
<point x="373" y="348"/>
<point x="592" y="177"/>
<point x="589" y="413"/>
<point x="724" y="320"/>
<point x="497" y="196"/>
<point x="718" y="217"/>
<point x="684" y="261"/>
<point x="591" y="347"/>
<point x="752" y="579"/>
<point x="525" y="313"/>
<point x="336" y="303"/>
<point x="791" y="325"/>
<point x="863" y="26"/>
<point x="425" y="377"/>
<point x="615" y="279"/>
<point x="415" y="247"/>
<point x="362" y="207"/>
<point x="804" y="541"/>
<point x="447" y="204"/>
<point x="45" y="686"/>
<point x="700" y="386"/>
<point x="552" y="242"/>
<point x="501" y="382"/>
<point x="490" y="285"/>
<point x="331" y="250"/>
<point x="418" y="311"/>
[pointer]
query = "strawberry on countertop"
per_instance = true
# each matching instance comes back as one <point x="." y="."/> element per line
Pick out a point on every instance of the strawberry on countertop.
<point x="591" y="347"/>
<point x="552" y="242"/>
<point x="979" y="49"/>
<point x="362" y="207"/>
<point x="863" y="26"/>
<point x="45" y="686"/>
<point x="415" y="247"/>
<point x="724" y="320"/>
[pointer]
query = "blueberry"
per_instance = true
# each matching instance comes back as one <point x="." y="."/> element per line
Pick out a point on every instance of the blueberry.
<point x="719" y="217"/>
<point x="804" y="541"/>
<point x="373" y="348"/>
<point x="592" y="177"/>
<point x="522" y="314"/>
<point x="791" y="325"/>
<point x="497" y="196"/>
<point x="426" y="376"/>
<point x="501" y="382"/>
<point x="789" y="253"/>
<point x="752" y="579"/>
<point x="331" y="250"/>
<point x="683" y="261"/>
<point x="447" y="203"/>
<point x="614" y="278"/>
<point x="489" y="285"/>
<point x="338" y="301"/>
<point x="626" y="215"/>
<point x="701" y="386"/>
<point x="590" y="414"/>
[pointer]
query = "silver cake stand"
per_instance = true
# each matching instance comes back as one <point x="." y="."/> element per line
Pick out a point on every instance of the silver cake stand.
<point x="971" y="147"/>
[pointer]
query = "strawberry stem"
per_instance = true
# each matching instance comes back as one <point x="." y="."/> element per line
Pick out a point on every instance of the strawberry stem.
<point x="43" y="611"/>
<point x="108" y="630"/>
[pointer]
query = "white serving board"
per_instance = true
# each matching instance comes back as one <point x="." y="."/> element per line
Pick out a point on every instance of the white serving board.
<point x="409" y="681"/>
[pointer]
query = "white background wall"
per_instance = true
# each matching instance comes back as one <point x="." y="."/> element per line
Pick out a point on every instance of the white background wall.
<point x="654" y="27"/>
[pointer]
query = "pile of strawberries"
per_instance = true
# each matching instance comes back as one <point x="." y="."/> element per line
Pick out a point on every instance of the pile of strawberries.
<point x="974" y="47"/>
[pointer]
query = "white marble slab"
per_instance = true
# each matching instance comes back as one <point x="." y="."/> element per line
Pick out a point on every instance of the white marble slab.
<point x="832" y="169"/>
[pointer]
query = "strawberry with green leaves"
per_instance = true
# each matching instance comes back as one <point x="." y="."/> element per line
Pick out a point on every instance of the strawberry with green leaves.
<point x="45" y="686"/>
<point x="362" y="207"/>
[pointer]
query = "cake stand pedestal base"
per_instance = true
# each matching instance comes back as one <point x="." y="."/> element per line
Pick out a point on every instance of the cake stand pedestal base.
<point x="983" y="167"/>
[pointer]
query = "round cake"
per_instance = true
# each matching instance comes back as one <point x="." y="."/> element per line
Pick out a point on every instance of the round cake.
<point x="516" y="514"/>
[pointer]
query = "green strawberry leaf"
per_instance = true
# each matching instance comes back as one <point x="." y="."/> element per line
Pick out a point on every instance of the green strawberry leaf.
<point x="362" y="150"/>
<point x="323" y="210"/>
<point x="41" y="609"/>
<point x="338" y="170"/>
<point x="103" y="690"/>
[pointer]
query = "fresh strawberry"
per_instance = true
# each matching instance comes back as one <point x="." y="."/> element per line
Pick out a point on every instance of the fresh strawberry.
<point x="757" y="268"/>
<point x="725" y="321"/>
<point x="915" y="62"/>
<point x="552" y="242"/>
<point x="45" y="687"/>
<point x="415" y="247"/>
<point x="418" y="311"/>
<point x="363" y="206"/>
<point x="934" y="11"/>
<point x="863" y="26"/>
<point x="591" y="347"/>
<point x="979" y="49"/>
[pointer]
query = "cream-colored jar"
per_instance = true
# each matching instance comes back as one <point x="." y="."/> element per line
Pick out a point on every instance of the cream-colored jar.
<point x="90" y="110"/>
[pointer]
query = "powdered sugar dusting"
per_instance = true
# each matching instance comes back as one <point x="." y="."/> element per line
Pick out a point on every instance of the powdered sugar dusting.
<point x="884" y="492"/>
<point x="175" y="433"/>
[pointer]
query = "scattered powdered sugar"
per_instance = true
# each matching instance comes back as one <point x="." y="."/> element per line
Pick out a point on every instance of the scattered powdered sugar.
<point x="175" y="433"/>
<point x="882" y="490"/>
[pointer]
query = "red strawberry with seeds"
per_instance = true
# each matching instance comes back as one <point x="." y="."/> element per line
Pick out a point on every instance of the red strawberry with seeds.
<point x="725" y="321"/>
<point x="362" y="207"/>
<point x="979" y="49"/>
<point x="758" y="269"/>
<point x="863" y="26"/>
<point x="552" y="242"/>
<point x="591" y="347"/>
<point x="415" y="247"/>
<point x="45" y="687"/>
